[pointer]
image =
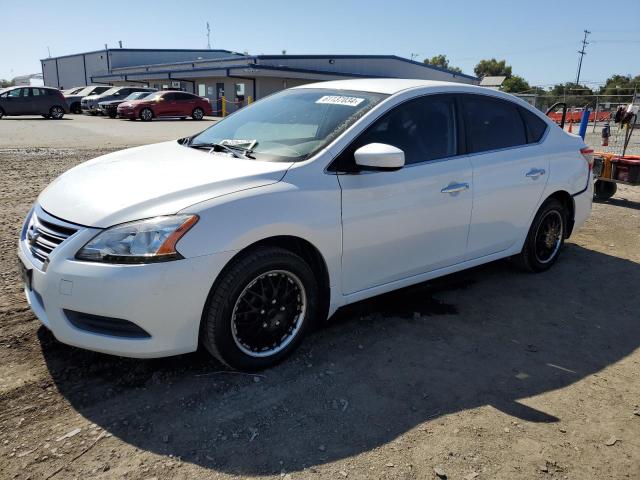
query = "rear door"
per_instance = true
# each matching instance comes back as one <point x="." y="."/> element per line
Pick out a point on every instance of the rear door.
<point x="398" y="224"/>
<point x="510" y="171"/>
<point x="185" y="104"/>
<point x="40" y="101"/>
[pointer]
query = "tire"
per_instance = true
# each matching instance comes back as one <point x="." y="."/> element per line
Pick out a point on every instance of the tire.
<point x="544" y="242"/>
<point x="75" y="108"/>
<point x="604" y="190"/>
<point x="112" y="115"/>
<point x="197" y="114"/>
<point x="146" y="114"/>
<point x="1" y="113"/>
<point x="284" y="276"/>
<point x="56" y="112"/>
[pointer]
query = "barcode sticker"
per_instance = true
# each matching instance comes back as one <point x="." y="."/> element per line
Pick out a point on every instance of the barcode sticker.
<point x="340" y="100"/>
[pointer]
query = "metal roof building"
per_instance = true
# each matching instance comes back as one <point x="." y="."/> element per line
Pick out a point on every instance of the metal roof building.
<point x="221" y="73"/>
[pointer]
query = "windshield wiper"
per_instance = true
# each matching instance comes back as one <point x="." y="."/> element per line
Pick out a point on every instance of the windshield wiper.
<point x="238" y="152"/>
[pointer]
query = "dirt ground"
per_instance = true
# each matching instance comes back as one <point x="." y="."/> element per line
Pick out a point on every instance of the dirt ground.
<point x="487" y="374"/>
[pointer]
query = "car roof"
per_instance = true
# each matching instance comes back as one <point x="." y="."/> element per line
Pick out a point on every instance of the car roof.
<point x="391" y="86"/>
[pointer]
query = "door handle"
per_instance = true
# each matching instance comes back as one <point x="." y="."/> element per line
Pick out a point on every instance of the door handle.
<point x="535" y="173"/>
<point x="455" y="188"/>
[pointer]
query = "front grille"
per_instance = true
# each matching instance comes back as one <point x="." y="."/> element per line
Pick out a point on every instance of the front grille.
<point x="43" y="236"/>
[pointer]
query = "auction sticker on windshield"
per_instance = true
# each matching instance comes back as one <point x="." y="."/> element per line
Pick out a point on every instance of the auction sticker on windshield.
<point x="340" y="100"/>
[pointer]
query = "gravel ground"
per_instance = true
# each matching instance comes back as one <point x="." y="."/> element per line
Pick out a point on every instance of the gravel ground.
<point x="486" y="374"/>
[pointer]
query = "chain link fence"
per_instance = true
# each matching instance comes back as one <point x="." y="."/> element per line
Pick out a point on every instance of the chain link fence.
<point x="602" y="110"/>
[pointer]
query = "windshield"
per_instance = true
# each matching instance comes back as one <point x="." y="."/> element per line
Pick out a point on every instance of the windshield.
<point x="138" y="95"/>
<point x="153" y="96"/>
<point x="291" y="125"/>
<point x="111" y="91"/>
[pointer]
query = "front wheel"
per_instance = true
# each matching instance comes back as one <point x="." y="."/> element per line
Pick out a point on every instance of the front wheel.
<point x="545" y="238"/>
<point x="1" y="113"/>
<point x="260" y="308"/>
<point x="56" y="112"/>
<point x="197" y="114"/>
<point x="75" y="108"/>
<point x="113" y="114"/>
<point x="146" y="114"/>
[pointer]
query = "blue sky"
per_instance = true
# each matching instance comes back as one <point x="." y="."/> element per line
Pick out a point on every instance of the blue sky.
<point x="539" y="39"/>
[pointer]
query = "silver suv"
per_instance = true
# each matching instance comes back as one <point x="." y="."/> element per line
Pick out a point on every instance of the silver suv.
<point x="75" y="96"/>
<point x="91" y="103"/>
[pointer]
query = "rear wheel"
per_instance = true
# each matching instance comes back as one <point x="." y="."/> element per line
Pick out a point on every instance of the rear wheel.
<point x="56" y="112"/>
<point x="260" y="308"/>
<point x="604" y="190"/>
<point x="146" y="114"/>
<point x="545" y="239"/>
<point x="197" y="114"/>
<point x="1" y="113"/>
<point x="75" y="108"/>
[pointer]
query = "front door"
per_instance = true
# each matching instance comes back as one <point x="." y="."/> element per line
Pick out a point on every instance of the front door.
<point x="397" y="224"/>
<point x="510" y="172"/>
<point x="17" y="102"/>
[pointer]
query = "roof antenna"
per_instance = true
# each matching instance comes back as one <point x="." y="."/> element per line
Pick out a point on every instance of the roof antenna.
<point x="208" y="37"/>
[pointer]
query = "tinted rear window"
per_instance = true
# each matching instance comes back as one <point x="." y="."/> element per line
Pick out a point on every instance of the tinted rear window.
<point x="535" y="125"/>
<point x="492" y="124"/>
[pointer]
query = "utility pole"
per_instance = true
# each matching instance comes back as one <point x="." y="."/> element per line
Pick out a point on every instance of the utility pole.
<point x="208" y="37"/>
<point x="582" y="53"/>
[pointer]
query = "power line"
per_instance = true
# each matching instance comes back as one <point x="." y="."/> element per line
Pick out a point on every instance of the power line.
<point x="582" y="53"/>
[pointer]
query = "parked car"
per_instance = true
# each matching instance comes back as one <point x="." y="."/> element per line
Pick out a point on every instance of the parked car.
<point x="72" y="91"/>
<point x="74" y="99"/>
<point x="44" y="101"/>
<point x="110" y="107"/>
<point x="90" y="104"/>
<point x="166" y="104"/>
<point x="245" y="235"/>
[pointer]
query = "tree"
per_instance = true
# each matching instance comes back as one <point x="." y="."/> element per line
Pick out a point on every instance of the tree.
<point x="619" y="85"/>
<point x="492" y="68"/>
<point x="516" y="84"/>
<point x="6" y="83"/>
<point x="441" y="61"/>
<point x="572" y="94"/>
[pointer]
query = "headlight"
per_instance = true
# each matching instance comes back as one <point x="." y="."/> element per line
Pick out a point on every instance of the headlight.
<point x="143" y="241"/>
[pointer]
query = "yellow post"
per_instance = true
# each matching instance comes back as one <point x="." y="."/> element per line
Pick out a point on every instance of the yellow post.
<point x="224" y="107"/>
<point x="249" y="100"/>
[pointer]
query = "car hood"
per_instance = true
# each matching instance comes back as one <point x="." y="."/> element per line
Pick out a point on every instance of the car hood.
<point x="111" y="102"/>
<point x="147" y="181"/>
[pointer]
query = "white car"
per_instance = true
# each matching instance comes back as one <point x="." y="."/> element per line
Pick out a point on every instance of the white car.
<point x="242" y="237"/>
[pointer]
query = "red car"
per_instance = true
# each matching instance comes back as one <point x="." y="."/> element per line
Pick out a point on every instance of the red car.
<point x="166" y="104"/>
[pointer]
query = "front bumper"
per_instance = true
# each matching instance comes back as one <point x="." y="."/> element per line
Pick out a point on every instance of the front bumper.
<point x="164" y="299"/>
<point x="126" y="113"/>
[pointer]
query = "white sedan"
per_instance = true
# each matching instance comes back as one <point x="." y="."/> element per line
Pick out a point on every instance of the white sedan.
<point x="242" y="237"/>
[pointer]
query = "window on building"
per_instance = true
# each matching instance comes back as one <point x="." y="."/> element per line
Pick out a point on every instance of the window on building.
<point x="202" y="89"/>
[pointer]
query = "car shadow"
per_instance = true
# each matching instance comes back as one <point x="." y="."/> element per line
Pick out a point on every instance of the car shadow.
<point x="619" y="202"/>
<point x="487" y="336"/>
<point x="33" y="117"/>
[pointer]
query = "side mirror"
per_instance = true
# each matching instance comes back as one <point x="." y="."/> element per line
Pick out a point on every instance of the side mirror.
<point x="379" y="156"/>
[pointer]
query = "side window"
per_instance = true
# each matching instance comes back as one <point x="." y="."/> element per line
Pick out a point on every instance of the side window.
<point x="492" y="124"/>
<point x="423" y="128"/>
<point x="536" y="127"/>
<point x="17" y="92"/>
<point x="169" y="97"/>
<point x="35" y="92"/>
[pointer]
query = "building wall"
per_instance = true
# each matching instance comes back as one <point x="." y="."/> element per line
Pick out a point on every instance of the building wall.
<point x="268" y="85"/>
<point x="126" y="58"/>
<point x="382" y="67"/>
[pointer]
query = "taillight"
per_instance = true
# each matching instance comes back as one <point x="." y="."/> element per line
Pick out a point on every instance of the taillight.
<point x="587" y="153"/>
